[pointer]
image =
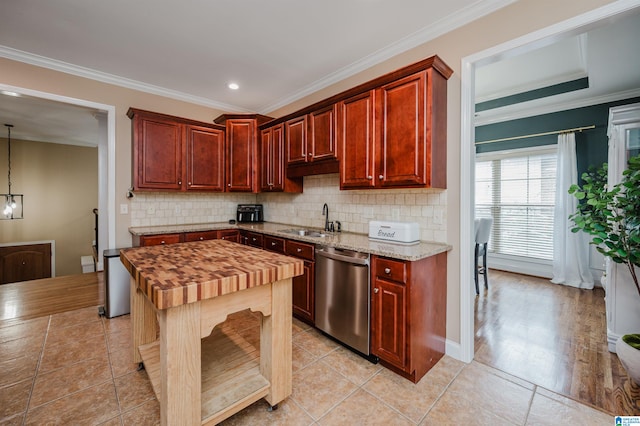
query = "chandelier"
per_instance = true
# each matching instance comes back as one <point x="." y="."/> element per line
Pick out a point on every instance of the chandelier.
<point x="12" y="205"/>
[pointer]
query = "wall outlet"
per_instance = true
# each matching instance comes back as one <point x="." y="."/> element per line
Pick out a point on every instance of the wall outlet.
<point x="124" y="208"/>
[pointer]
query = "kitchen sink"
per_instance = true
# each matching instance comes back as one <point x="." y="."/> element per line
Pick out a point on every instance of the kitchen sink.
<point x="303" y="232"/>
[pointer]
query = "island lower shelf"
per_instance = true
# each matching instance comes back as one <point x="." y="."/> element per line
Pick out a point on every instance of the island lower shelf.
<point x="231" y="378"/>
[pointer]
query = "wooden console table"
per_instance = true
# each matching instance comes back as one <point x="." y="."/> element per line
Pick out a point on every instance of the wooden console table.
<point x="187" y="289"/>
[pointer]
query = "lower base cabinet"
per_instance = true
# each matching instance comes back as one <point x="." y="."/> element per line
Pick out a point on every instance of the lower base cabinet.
<point x="408" y="313"/>
<point x="303" y="286"/>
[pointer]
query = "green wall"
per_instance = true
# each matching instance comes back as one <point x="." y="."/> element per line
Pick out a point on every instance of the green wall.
<point x="591" y="145"/>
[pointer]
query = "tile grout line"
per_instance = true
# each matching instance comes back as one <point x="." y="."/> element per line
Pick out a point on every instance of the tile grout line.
<point x="444" y="390"/>
<point x="113" y="379"/>
<point x="35" y="374"/>
<point x="533" y="394"/>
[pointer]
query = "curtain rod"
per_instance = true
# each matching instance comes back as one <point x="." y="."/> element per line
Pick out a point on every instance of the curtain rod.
<point x="555" y="132"/>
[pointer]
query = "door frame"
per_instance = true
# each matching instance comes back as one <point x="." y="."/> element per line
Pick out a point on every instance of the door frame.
<point x="106" y="162"/>
<point x="536" y="39"/>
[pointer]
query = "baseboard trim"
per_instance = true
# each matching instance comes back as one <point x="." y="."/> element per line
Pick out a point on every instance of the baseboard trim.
<point x="453" y="349"/>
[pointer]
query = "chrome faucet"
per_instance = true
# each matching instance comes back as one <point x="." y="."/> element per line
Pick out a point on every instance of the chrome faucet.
<point x="325" y="213"/>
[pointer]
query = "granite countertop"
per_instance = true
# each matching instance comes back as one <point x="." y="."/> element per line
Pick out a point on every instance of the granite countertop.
<point x="176" y="274"/>
<point x="343" y="240"/>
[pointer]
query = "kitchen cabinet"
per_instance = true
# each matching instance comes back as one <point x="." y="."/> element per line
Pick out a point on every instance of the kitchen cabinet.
<point x="272" y="169"/>
<point x="356" y="130"/>
<point x="175" y="154"/>
<point x="408" y="313"/>
<point x="200" y="236"/>
<point x="310" y="142"/>
<point x="229" y="235"/>
<point x="153" y="240"/>
<point x="274" y="244"/>
<point x="241" y="171"/>
<point x="254" y="239"/>
<point x="303" y="286"/>
<point x="394" y="136"/>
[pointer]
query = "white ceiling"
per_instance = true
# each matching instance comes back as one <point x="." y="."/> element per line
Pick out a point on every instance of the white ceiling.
<point x="277" y="51"/>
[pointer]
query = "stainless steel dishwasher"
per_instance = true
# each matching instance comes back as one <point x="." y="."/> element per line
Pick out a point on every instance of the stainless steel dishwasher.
<point x="342" y="296"/>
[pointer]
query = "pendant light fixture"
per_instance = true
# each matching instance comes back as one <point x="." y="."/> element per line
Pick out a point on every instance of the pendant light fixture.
<point x="12" y="203"/>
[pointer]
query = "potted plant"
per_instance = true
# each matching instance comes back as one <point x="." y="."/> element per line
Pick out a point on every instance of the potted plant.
<point x="612" y="218"/>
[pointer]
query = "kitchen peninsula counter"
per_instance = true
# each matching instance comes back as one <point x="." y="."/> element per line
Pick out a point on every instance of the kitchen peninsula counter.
<point x="342" y="240"/>
<point x="190" y="288"/>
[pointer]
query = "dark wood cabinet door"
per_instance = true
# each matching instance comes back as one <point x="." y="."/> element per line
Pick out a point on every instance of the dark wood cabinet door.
<point x="229" y="235"/>
<point x="154" y="240"/>
<point x="241" y="140"/>
<point x="296" y="140"/>
<point x="356" y="129"/>
<point x="403" y="132"/>
<point x="388" y="322"/>
<point x="158" y="154"/>
<point x="205" y="159"/>
<point x="321" y="139"/>
<point x="25" y="262"/>
<point x="303" y="293"/>
<point x="200" y="236"/>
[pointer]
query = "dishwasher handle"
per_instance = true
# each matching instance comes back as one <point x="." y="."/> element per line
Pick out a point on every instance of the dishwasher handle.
<point x="343" y="258"/>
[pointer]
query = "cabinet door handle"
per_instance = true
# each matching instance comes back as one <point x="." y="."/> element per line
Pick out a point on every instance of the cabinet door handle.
<point x="179" y="182"/>
<point x="189" y="183"/>
<point x="299" y="250"/>
<point x="369" y="177"/>
<point x="310" y="154"/>
<point x="229" y="185"/>
<point x="387" y="271"/>
<point x="201" y="238"/>
<point x="162" y="242"/>
<point x="273" y="243"/>
<point x="380" y="177"/>
<point x="376" y="290"/>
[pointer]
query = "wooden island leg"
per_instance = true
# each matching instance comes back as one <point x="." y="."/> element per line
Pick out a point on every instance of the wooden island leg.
<point x="180" y="369"/>
<point x="275" y="343"/>
<point x="143" y="320"/>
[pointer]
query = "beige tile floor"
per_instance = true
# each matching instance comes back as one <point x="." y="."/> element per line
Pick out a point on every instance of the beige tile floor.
<point x="76" y="368"/>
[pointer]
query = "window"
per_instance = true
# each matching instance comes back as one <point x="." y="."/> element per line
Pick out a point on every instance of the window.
<point x="517" y="189"/>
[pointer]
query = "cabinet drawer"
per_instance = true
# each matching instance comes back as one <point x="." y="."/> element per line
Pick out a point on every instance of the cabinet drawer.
<point x="392" y="270"/>
<point x="200" y="236"/>
<point x="274" y="244"/>
<point x="154" y="240"/>
<point x="302" y="250"/>
<point x="255" y="240"/>
<point x="229" y="235"/>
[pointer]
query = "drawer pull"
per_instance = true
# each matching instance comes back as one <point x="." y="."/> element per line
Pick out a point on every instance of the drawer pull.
<point x="273" y="243"/>
<point x="387" y="271"/>
<point x="162" y="242"/>
<point x="376" y="290"/>
<point x="299" y="250"/>
<point x="201" y="238"/>
<point x="380" y="177"/>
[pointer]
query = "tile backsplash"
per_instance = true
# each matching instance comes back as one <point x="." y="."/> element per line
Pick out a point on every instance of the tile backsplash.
<point x="354" y="209"/>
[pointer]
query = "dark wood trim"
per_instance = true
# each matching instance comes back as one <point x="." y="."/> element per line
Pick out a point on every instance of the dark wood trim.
<point x="135" y="111"/>
<point x="260" y="119"/>
<point x="319" y="168"/>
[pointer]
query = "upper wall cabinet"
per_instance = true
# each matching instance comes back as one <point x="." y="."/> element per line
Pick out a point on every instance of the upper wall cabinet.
<point x="272" y="170"/>
<point x="242" y="151"/>
<point x="175" y="154"/>
<point x="389" y="132"/>
<point x="395" y="135"/>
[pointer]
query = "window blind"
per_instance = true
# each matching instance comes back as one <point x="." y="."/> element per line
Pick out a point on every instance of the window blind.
<point x="518" y="191"/>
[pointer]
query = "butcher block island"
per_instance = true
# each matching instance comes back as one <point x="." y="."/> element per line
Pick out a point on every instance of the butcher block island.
<point x="180" y="292"/>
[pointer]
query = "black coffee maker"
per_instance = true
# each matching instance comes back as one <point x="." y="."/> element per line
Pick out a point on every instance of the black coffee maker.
<point x="249" y="213"/>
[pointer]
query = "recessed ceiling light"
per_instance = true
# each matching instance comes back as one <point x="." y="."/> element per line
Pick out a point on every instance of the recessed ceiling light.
<point x="233" y="86"/>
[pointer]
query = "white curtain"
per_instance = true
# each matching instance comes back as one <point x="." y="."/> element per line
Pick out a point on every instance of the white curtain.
<point x="570" y="251"/>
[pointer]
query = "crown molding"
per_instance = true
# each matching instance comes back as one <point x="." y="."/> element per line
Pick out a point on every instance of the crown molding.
<point x="508" y="113"/>
<point x="443" y="26"/>
<point x="65" y="67"/>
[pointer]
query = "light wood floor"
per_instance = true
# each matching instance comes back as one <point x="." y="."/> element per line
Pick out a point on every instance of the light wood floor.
<point x="37" y="298"/>
<point x="553" y="336"/>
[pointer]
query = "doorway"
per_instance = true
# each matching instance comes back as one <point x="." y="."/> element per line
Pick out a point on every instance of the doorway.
<point x="569" y="28"/>
<point x="105" y="142"/>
